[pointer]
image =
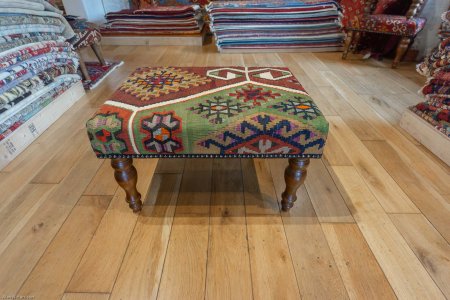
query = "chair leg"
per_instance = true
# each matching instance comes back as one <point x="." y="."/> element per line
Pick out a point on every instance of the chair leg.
<point x="348" y="43"/>
<point x="401" y="50"/>
<point x="83" y="68"/>
<point x="355" y="43"/>
<point x="98" y="52"/>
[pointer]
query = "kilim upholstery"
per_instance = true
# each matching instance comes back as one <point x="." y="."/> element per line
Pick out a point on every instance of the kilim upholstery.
<point x="214" y="112"/>
<point x="209" y="112"/>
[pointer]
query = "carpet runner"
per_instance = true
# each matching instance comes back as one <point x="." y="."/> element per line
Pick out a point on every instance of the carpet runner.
<point x="155" y="20"/>
<point x="276" y="25"/>
<point x="98" y="73"/>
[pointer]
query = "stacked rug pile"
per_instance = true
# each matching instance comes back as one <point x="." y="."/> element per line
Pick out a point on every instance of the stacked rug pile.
<point x="154" y="20"/>
<point x="436" y="107"/>
<point x="37" y="65"/>
<point x="295" y="25"/>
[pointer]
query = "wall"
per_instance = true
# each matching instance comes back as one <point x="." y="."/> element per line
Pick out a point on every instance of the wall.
<point x="93" y="10"/>
<point x="428" y="38"/>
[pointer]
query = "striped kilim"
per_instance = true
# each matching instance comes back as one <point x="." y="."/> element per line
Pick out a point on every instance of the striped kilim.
<point x="209" y="112"/>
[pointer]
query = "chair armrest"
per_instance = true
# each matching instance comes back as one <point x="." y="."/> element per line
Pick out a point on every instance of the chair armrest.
<point x="415" y="8"/>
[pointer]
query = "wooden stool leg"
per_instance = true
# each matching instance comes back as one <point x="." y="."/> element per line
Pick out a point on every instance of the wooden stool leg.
<point x="98" y="52"/>
<point x="294" y="176"/>
<point x="83" y="68"/>
<point x="401" y="50"/>
<point x="126" y="176"/>
<point x="348" y="43"/>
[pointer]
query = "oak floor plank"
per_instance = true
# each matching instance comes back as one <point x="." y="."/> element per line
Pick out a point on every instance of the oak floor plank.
<point x="352" y="118"/>
<point x="98" y="273"/>
<point x="20" y="210"/>
<point x="431" y="204"/>
<point x="333" y="154"/>
<point x="403" y="270"/>
<point x="184" y="272"/>
<point x="228" y="269"/>
<point x="428" y="245"/>
<point x="103" y="182"/>
<point x="357" y="265"/>
<point x="196" y="187"/>
<point x="60" y="164"/>
<point x="258" y="192"/>
<point x="52" y="274"/>
<point x="85" y="296"/>
<point x="325" y="197"/>
<point x="17" y="260"/>
<point x="141" y="270"/>
<point x="388" y="193"/>
<point x="170" y="165"/>
<point x="316" y="271"/>
<point x="422" y="165"/>
<point x="273" y="275"/>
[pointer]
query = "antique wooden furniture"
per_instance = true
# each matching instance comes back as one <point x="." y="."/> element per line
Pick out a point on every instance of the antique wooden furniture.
<point x="210" y="112"/>
<point x="405" y="26"/>
<point x="87" y="35"/>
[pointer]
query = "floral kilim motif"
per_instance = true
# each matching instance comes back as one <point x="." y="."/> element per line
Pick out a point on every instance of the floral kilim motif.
<point x="209" y="112"/>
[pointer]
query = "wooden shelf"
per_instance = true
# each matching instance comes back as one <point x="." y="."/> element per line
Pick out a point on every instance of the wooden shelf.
<point x="22" y="137"/>
<point x="427" y="135"/>
<point x="156" y="40"/>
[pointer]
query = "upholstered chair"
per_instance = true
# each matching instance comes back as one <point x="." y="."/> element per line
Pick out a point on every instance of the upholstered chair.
<point x="407" y="26"/>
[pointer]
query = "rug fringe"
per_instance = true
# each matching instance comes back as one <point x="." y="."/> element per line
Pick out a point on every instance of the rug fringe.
<point x="105" y="75"/>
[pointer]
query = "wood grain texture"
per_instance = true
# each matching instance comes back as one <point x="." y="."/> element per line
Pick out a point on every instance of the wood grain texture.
<point x="388" y="193"/>
<point x="184" y="273"/>
<point x="325" y="197"/>
<point x="315" y="269"/>
<point x="403" y="270"/>
<point x="228" y="271"/>
<point x="432" y="205"/>
<point x="17" y="260"/>
<point x="140" y="272"/>
<point x="430" y="248"/>
<point x="85" y="296"/>
<point x="98" y="273"/>
<point x="54" y="270"/>
<point x="359" y="269"/>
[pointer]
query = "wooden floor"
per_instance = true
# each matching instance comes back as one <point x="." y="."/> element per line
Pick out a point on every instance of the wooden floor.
<point x="371" y="222"/>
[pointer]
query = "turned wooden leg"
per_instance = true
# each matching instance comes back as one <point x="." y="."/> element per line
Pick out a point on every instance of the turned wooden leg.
<point x="126" y="176"/>
<point x="348" y="43"/>
<point x="98" y="52"/>
<point x="294" y="176"/>
<point x="355" y="42"/>
<point x="401" y="50"/>
<point x="83" y="68"/>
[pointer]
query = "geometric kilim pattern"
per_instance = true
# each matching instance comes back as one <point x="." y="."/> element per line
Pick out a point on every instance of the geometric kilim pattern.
<point x="209" y="112"/>
<point x="153" y="83"/>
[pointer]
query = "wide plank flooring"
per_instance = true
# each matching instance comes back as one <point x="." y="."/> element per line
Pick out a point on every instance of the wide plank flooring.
<point x="372" y="220"/>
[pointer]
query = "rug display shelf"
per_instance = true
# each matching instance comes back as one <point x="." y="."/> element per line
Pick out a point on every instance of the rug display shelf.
<point x="20" y="139"/>
<point x="156" y="40"/>
<point x="281" y="50"/>
<point x="437" y="142"/>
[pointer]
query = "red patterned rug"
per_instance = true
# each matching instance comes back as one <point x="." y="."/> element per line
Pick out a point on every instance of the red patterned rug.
<point x="97" y="72"/>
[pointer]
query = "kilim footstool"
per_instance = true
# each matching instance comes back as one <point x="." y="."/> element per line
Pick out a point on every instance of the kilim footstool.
<point x="210" y="112"/>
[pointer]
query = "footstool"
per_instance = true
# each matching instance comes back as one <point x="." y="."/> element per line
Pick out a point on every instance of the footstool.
<point x="208" y="112"/>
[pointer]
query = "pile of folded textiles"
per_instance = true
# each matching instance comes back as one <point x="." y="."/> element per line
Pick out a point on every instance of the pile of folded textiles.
<point x="154" y="20"/>
<point x="436" y="107"/>
<point x="310" y="25"/>
<point x="36" y="62"/>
